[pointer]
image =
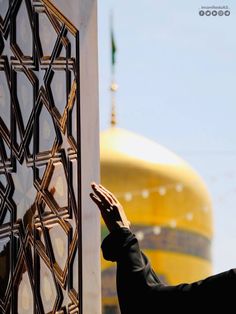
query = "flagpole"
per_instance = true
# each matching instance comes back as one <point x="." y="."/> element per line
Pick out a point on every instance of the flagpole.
<point x="113" y="86"/>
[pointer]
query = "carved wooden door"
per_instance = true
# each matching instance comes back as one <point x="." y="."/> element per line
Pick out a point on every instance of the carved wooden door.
<point x="40" y="234"/>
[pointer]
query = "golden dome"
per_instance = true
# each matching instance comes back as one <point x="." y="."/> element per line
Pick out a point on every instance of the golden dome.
<point x="166" y="201"/>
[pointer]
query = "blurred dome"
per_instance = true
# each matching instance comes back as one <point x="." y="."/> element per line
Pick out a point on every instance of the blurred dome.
<point x="167" y="203"/>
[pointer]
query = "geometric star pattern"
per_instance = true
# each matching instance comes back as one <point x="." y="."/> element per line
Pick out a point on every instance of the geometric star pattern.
<point x="40" y="227"/>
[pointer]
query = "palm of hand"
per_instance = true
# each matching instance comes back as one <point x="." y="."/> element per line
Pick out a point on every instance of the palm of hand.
<point x="111" y="210"/>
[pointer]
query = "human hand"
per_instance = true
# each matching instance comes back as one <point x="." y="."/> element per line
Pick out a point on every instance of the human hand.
<point x="111" y="210"/>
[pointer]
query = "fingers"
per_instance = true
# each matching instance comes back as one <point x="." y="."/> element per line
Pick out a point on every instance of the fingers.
<point x="108" y="193"/>
<point x="106" y="213"/>
<point x="96" y="199"/>
<point x="111" y="210"/>
<point x="104" y="197"/>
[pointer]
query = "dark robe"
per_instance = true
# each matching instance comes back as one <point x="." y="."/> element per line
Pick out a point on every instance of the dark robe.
<point x="140" y="291"/>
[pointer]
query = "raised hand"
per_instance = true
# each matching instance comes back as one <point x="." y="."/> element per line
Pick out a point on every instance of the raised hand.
<point x="111" y="210"/>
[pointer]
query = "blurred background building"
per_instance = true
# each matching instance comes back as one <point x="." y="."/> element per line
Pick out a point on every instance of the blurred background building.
<point x="167" y="203"/>
<point x="165" y="199"/>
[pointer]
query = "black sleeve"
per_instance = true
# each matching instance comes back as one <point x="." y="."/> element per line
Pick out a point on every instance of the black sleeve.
<point x="140" y="291"/>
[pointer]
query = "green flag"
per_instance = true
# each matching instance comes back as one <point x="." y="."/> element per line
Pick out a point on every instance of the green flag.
<point x="113" y="49"/>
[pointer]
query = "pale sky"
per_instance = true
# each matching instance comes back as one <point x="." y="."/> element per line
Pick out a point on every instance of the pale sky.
<point x="176" y="72"/>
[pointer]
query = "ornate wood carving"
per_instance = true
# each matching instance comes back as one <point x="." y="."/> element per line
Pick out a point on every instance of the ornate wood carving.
<point x="40" y="234"/>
